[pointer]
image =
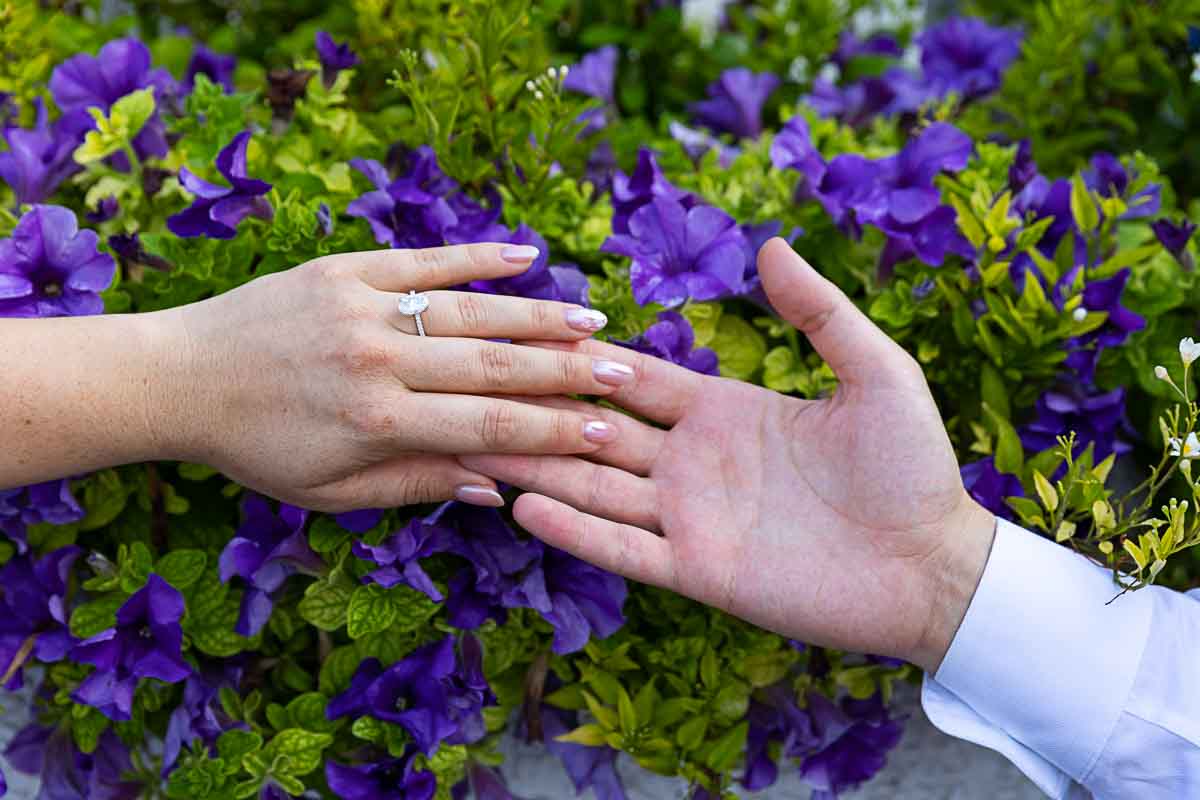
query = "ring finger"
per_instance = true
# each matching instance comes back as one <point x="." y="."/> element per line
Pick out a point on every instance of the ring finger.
<point x="494" y="316"/>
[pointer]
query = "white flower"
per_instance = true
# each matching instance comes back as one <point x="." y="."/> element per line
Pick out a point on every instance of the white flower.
<point x="1161" y="373"/>
<point x="562" y="72"/>
<point x="538" y="94"/>
<point x="1080" y="314"/>
<point x="1189" y="351"/>
<point x="551" y="72"/>
<point x="1189" y="448"/>
<point x="529" y="85"/>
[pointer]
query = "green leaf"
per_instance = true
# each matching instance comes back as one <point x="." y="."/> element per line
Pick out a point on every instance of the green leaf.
<point x="233" y="745"/>
<point x="181" y="568"/>
<point x="1010" y="455"/>
<point x="739" y="347"/>
<point x="603" y="714"/>
<point x="370" y="610"/>
<point x="691" y="733"/>
<point x="646" y="702"/>
<point x="87" y="724"/>
<point x="325" y="535"/>
<point x="779" y="369"/>
<point x="104" y="497"/>
<point x="368" y="728"/>
<point x="1045" y="491"/>
<point x="308" y="711"/>
<point x="728" y="748"/>
<point x="994" y="391"/>
<point x="589" y="735"/>
<point x="1083" y="206"/>
<point x="325" y="603"/>
<point x="626" y="713"/>
<point x="296" y="751"/>
<point x="708" y="669"/>
<point x="136" y="567"/>
<point x="91" y="618"/>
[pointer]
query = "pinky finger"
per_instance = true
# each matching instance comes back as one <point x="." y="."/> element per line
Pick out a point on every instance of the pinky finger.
<point x="616" y="547"/>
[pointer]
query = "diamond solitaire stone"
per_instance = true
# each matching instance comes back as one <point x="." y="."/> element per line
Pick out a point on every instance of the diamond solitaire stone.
<point x="412" y="303"/>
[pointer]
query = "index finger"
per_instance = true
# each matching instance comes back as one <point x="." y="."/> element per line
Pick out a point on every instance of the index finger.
<point x="437" y="267"/>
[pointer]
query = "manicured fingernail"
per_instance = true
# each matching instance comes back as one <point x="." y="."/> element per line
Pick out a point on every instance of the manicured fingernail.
<point x="612" y="373"/>
<point x="599" y="432"/>
<point x="585" y="319"/>
<point x="478" y="496"/>
<point x="519" y="253"/>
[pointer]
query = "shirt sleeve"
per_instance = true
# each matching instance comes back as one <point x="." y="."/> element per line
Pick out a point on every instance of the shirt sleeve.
<point x="1088" y="695"/>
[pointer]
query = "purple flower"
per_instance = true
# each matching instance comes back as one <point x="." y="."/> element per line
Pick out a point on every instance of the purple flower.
<point x="65" y="773"/>
<point x="1174" y="236"/>
<point x="121" y="67"/>
<point x="631" y="192"/>
<point x="217" y="210"/>
<point x="200" y="715"/>
<point x="1023" y="169"/>
<point x="389" y="779"/>
<point x="563" y="283"/>
<point x="217" y="67"/>
<point x="1107" y="176"/>
<point x="672" y="339"/>
<point x="40" y="158"/>
<point x="334" y="57"/>
<point x="397" y="557"/>
<point x="989" y="487"/>
<point x="854" y="738"/>
<point x="50" y="502"/>
<point x="108" y="208"/>
<point x="421" y="208"/>
<point x="851" y="47"/>
<point x="50" y="268"/>
<point x="434" y="695"/>
<point x="594" y="76"/>
<point x="1098" y="419"/>
<point x="359" y="521"/>
<point x="145" y="643"/>
<point x="896" y="91"/>
<point x="735" y="102"/>
<point x="587" y="767"/>
<point x="8" y="110"/>
<point x="680" y="253"/>
<point x="1103" y="296"/>
<point x="774" y="716"/>
<point x="269" y="548"/>
<point x="576" y="598"/>
<point x="34" y="605"/>
<point x="697" y="143"/>
<point x="967" y="56"/>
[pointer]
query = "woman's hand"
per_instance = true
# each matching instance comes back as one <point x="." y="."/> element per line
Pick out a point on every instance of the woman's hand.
<point x="310" y="386"/>
<point x="841" y="522"/>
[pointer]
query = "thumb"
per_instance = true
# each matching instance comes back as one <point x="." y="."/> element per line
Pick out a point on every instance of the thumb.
<point x="853" y="346"/>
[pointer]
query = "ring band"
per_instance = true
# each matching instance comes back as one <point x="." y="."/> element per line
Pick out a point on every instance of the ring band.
<point x="411" y="305"/>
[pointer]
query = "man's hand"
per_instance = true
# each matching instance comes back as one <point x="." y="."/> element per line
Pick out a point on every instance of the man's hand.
<point x="841" y="522"/>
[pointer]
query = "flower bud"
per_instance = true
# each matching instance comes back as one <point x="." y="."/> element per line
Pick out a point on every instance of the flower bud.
<point x="1079" y="314"/>
<point x="1161" y="373"/>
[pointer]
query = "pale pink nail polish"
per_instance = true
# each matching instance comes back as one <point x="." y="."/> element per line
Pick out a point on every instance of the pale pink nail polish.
<point x="478" y="496"/>
<point x="612" y="373"/>
<point x="585" y="319"/>
<point x="599" y="432"/>
<point x="519" y="253"/>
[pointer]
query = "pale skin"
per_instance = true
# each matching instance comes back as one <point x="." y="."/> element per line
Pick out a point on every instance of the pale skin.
<point x="309" y="385"/>
<point x="841" y="522"/>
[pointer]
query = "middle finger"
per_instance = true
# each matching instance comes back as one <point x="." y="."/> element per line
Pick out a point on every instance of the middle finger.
<point x="494" y="316"/>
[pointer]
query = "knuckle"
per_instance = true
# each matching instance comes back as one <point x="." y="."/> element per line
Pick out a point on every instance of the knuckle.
<point x="541" y="318"/>
<point x="431" y="260"/>
<point x="568" y="369"/>
<point x="472" y="312"/>
<point x="496" y="365"/>
<point x="373" y="421"/>
<point x="326" y="270"/>
<point x="362" y="355"/>
<point x="497" y="426"/>
<point x="563" y="432"/>
<point x="420" y="486"/>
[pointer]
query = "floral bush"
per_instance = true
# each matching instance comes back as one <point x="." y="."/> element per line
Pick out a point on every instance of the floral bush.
<point x="971" y="182"/>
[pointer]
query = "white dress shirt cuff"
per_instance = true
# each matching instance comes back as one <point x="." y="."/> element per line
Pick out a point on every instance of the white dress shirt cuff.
<point x="1043" y="663"/>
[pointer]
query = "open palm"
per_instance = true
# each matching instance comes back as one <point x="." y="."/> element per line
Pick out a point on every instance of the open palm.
<point x="841" y="521"/>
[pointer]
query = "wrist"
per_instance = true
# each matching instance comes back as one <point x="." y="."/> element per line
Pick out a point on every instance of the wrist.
<point x="952" y="579"/>
<point x="172" y="408"/>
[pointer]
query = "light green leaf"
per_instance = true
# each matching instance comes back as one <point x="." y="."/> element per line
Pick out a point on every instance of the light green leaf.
<point x="371" y="610"/>
<point x="325" y="603"/>
<point x="739" y="347"/>
<point x="182" y="568"/>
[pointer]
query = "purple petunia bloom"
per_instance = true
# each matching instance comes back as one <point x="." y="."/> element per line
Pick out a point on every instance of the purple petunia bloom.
<point x="1107" y="176"/>
<point x="595" y="76"/>
<point x="631" y="192"/>
<point x="8" y="109"/>
<point x="65" y="773"/>
<point x="50" y="268"/>
<point x="1175" y="237"/>
<point x="334" y="57"/>
<point x="107" y="208"/>
<point x="967" y="56"/>
<point x="269" y="548"/>
<point x="895" y="91"/>
<point x="672" y="339"/>
<point x="50" y="502"/>
<point x="145" y="643"/>
<point x="40" y="158"/>
<point x="398" y="556"/>
<point x="433" y="694"/>
<point x="359" y="521"/>
<point x="592" y="768"/>
<point x="1098" y="419"/>
<point x="121" y="67"/>
<point x="851" y="47"/>
<point x="854" y="738"/>
<point x="735" y="102"/>
<point x="1103" y="295"/>
<point x="388" y="779"/>
<point x="989" y="487"/>
<point x="217" y="67"/>
<point x="680" y="253"/>
<point x="34" y="605"/>
<point x="217" y="210"/>
<point x="423" y="207"/>
<point x="697" y="143"/>
<point x="200" y="716"/>
<point x="774" y="716"/>
<point x="541" y="281"/>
